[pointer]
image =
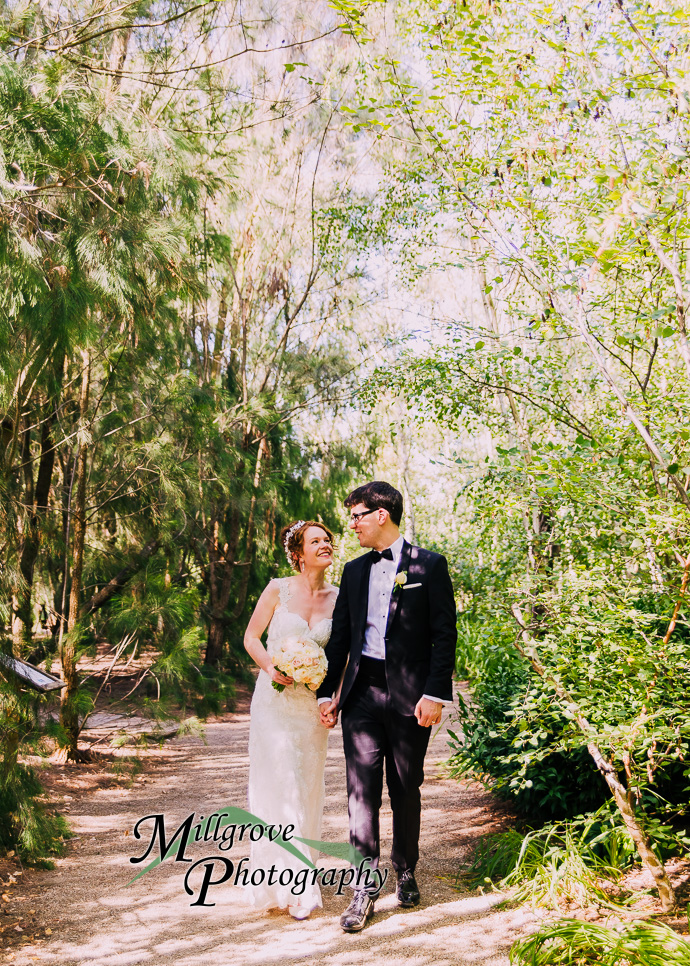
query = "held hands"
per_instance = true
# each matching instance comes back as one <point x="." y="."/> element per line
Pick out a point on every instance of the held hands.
<point x="329" y="714"/>
<point x="279" y="677"/>
<point x="428" y="712"/>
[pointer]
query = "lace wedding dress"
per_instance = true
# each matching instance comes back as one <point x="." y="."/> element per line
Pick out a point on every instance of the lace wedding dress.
<point x="287" y="759"/>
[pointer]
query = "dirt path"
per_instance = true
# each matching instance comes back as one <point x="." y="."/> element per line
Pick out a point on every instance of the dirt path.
<point x="98" y="919"/>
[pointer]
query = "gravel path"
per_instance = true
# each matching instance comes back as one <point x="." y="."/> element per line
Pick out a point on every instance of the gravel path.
<point x="98" y="919"/>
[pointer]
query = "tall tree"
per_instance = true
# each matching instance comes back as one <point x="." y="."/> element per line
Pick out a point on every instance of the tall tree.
<point x="549" y="162"/>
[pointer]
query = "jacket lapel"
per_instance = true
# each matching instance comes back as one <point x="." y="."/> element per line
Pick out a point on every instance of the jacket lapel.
<point x="397" y="594"/>
<point x="363" y="596"/>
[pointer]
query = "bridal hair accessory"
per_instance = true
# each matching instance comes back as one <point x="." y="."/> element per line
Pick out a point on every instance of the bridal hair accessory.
<point x="288" y="536"/>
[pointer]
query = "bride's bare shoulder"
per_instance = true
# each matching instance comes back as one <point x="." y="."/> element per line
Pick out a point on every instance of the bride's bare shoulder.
<point x="272" y="589"/>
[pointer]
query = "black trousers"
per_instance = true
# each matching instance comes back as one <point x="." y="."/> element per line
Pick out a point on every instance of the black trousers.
<point x="374" y="733"/>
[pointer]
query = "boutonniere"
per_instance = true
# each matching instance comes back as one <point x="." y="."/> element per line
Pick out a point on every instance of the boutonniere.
<point x="400" y="580"/>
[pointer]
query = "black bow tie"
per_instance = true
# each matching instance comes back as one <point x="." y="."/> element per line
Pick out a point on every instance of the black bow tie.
<point x="386" y="554"/>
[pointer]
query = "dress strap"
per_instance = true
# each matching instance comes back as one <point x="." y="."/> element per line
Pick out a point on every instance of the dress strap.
<point x="284" y="591"/>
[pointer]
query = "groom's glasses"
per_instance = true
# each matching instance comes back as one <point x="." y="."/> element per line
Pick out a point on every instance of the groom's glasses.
<point x="356" y="517"/>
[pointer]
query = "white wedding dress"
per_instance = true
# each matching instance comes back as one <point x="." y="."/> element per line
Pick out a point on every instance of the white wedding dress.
<point x="287" y="760"/>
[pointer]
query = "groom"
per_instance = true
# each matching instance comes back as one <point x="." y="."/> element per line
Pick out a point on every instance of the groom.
<point x="394" y="627"/>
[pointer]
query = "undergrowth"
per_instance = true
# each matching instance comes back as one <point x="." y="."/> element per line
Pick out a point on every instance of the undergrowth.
<point x="27" y="825"/>
<point x="570" y="942"/>
<point x="576" y="861"/>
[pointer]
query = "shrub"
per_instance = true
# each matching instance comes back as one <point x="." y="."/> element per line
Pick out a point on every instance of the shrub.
<point x="518" y="763"/>
<point x="25" y="824"/>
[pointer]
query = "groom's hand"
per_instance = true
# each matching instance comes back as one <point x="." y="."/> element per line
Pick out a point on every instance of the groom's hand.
<point x="329" y="714"/>
<point x="428" y="712"/>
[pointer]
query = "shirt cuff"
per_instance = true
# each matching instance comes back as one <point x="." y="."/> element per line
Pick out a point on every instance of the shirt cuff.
<point x="437" y="700"/>
<point x="325" y="700"/>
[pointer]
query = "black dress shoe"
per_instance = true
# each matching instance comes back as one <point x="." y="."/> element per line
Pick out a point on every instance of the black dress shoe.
<point x="408" y="890"/>
<point x="360" y="909"/>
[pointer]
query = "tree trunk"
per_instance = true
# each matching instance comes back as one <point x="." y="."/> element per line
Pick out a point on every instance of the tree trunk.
<point x="58" y="563"/>
<point x="23" y="525"/>
<point x="29" y="552"/>
<point x="118" y="56"/>
<point x="219" y="335"/>
<point x="241" y="596"/>
<point x="221" y="572"/>
<point x="623" y="800"/>
<point x="410" y="520"/>
<point x="215" y="641"/>
<point x="531" y="520"/>
<point x="69" y="717"/>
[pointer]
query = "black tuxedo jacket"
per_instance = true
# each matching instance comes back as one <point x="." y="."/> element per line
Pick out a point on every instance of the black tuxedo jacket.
<point x="420" y="636"/>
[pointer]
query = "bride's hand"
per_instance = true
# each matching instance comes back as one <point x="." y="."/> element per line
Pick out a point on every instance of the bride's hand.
<point x="329" y="714"/>
<point x="279" y="677"/>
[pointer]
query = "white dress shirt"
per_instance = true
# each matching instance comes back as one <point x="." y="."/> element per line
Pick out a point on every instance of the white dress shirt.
<point x="381" y="582"/>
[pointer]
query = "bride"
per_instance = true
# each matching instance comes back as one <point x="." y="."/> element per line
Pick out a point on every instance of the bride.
<point x="287" y="743"/>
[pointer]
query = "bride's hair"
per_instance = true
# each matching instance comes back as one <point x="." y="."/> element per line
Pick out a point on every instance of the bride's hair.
<point x="292" y="539"/>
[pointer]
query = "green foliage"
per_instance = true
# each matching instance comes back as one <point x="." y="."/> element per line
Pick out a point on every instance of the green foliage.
<point x="145" y="258"/>
<point x="26" y="824"/>
<point x="126" y="766"/>
<point x="557" y="173"/>
<point x="579" y="861"/>
<point x="590" y="944"/>
<point x="162" y="619"/>
<point x="522" y="763"/>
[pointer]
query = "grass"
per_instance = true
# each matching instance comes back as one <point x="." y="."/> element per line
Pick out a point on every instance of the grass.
<point x="569" y="942"/>
<point x="563" y="862"/>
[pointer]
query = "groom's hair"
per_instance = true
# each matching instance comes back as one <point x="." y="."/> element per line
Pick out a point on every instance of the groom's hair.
<point x="378" y="495"/>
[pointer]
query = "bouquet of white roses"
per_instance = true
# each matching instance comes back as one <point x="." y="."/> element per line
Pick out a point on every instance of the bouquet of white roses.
<point x="302" y="660"/>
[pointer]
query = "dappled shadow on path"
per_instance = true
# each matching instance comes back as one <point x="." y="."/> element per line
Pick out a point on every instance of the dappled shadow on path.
<point x="105" y="922"/>
<point x="164" y="931"/>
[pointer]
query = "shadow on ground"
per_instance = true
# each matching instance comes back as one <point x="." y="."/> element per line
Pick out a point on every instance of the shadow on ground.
<point x="98" y="919"/>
